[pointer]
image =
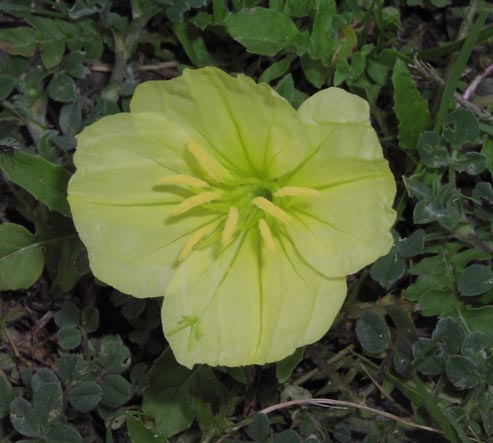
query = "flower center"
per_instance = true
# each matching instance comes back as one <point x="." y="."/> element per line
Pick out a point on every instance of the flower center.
<point x="265" y="193"/>
<point x="246" y="204"/>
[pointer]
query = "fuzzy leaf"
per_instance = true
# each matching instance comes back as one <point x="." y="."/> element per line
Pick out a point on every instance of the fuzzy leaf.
<point x="475" y="280"/>
<point x="85" y="396"/>
<point x="462" y="372"/>
<point x="372" y="332"/>
<point x="23" y="418"/>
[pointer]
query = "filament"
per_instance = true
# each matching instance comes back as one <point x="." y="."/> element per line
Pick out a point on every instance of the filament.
<point x="193" y="240"/>
<point x="271" y="209"/>
<point x="266" y="234"/>
<point x="196" y="200"/>
<point x="204" y="161"/>
<point x="230" y="226"/>
<point x="294" y="191"/>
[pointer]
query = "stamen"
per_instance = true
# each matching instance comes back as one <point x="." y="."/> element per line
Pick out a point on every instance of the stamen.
<point x="193" y="240"/>
<point x="230" y="226"/>
<point x="270" y="208"/>
<point x="186" y="180"/>
<point x="266" y="234"/>
<point x="204" y="161"/>
<point x="294" y="191"/>
<point x="196" y="200"/>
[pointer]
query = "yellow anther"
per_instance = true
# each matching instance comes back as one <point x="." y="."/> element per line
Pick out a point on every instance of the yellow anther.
<point x="295" y="191"/>
<point x="196" y="200"/>
<point x="193" y="240"/>
<point x="204" y="161"/>
<point x="230" y="226"/>
<point x="185" y="180"/>
<point x="271" y="209"/>
<point x="266" y="235"/>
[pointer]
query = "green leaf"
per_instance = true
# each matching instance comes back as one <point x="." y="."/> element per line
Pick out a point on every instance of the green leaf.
<point x="277" y="69"/>
<point x="116" y="390"/>
<point x="193" y="44"/>
<point x="62" y="88"/>
<point x="431" y="152"/>
<point x="460" y="127"/>
<point x="285" y="367"/>
<point x="372" y="332"/>
<point x="342" y="433"/>
<point x="285" y="87"/>
<point x="450" y="334"/>
<point x="45" y="181"/>
<point x="477" y="346"/>
<point x="82" y="8"/>
<point x="63" y="434"/>
<point x="259" y="427"/>
<point x="412" y="245"/>
<point x="5" y="391"/>
<point x="298" y="8"/>
<point x="113" y="355"/>
<point x="479" y="319"/>
<point x="90" y="319"/>
<point x="388" y="269"/>
<point x="262" y="31"/>
<point x="73" y="65"/>
<point x="42" y="377"/>
<point x="24" y="418"/>
<point x="323" y="39"/>
<point x="21" y="257"/>
<point x="85" y="396"/>
<point x="70" y="367"/>
<point x="48" y="402"/>
<point x="167" y="398"/>
<point x="287" y="436"/>
<point x="473" y="163"/>
<point x="411" y="109"/>
<point x="52" y="52"/>
<point x="429" y="356"/>
<point x="179" y="7"/>
<point x="19" y="40"/>
<point x="417" y="188"/>
<point x="6" y="86"/>
<point x="72" y="264"/>
<point x="68" y="315"/>
<point x="70" y="119"/>
<point x="315" y="72"/>
<point x="475" y="280"/>
<point x="138" y="433"/>
<point x="427" y="212"/>
<point x="69" y="337"/>
<point x="462" y="372"/>
<point x="403" y="356"/>
<point x="487" y="151"/>
<point x="211" y="425"/>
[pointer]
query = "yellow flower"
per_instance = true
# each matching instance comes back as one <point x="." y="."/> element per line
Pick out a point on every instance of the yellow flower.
<point x="245" y="214"/>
